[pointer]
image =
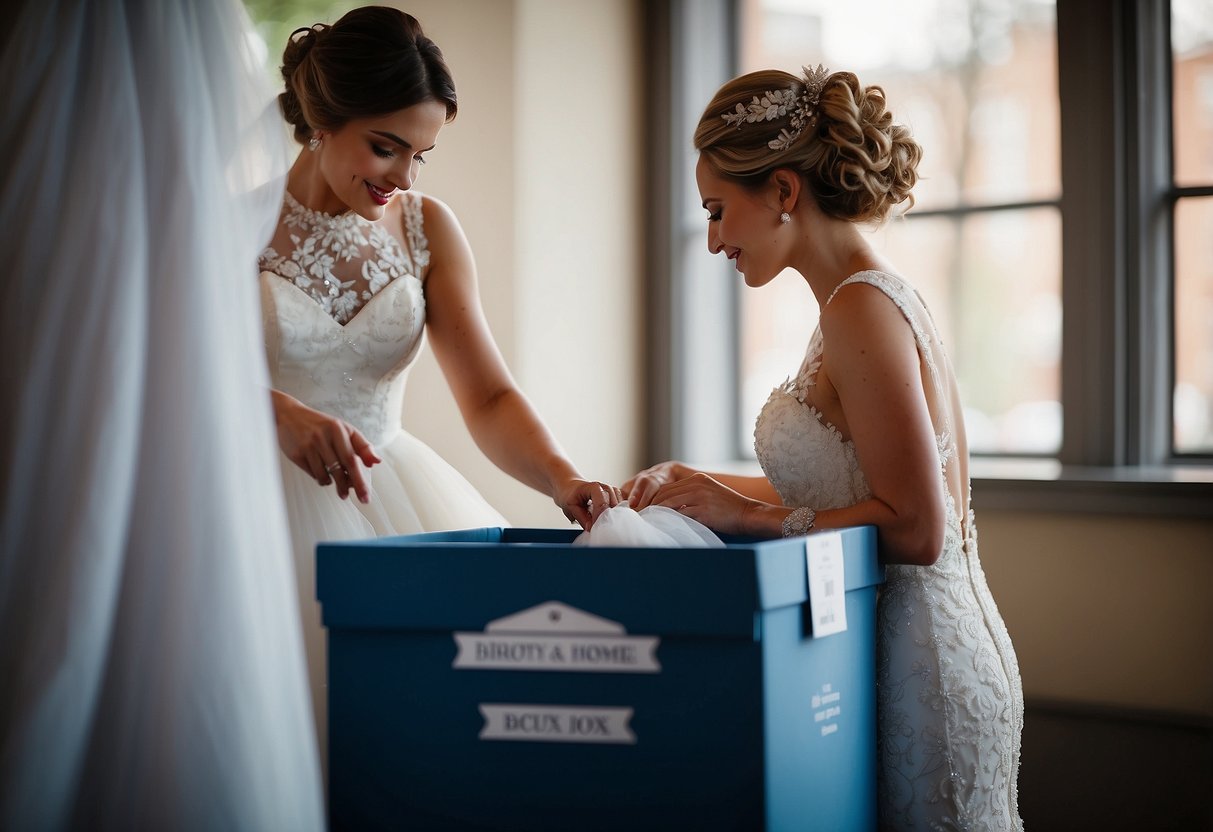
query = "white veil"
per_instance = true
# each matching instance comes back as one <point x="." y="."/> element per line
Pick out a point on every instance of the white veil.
<point x="151" y="661"/>
<point x="653" y="527"/>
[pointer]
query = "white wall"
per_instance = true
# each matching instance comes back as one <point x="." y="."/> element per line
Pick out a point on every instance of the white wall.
<point x="542" y="167"/>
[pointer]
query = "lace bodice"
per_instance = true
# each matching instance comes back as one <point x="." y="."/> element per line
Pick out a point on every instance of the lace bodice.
<point x="805" y="457"/>
<point x="950" y="700"/>
<point x="343" y="260"/>
<point x="343" y="309"/>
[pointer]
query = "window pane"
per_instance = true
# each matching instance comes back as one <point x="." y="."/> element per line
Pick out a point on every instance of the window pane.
<point x="1192" y="74"/>
<point x="776" y="322"/>
<point x="1193" y="402"/>
<point x="993" y="283"/>
<point x="976" y="80"/>
<point x="275" y="20"/>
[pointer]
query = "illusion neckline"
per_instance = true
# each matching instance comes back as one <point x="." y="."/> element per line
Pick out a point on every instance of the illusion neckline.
<point x="365" y="305"/>
<point x="349" y="216"/>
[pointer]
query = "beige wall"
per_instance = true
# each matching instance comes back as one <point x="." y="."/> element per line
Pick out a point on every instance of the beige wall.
<point x="579" y="258"/>
<point x="1105" y="609"/>
<point x="541" y="168"/>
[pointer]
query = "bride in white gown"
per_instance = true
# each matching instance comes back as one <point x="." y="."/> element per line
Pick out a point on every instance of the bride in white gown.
<point x="360" y="268"/>
<point x="868" y="431"/>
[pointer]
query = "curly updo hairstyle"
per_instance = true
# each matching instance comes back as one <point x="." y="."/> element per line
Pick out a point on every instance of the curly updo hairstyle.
<point x="857" y="162"/>
<point x="371" y="62"/>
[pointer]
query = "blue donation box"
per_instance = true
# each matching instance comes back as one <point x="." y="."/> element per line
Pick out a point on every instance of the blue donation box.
<point x="502" y="679"/>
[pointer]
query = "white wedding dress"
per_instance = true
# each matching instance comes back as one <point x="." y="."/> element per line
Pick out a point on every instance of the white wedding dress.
<point x="950" y="701"/>
<point x="343" y="307"/>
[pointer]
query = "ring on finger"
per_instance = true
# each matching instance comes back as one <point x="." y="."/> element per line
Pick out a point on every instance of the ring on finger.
<point x="332" y="469"/>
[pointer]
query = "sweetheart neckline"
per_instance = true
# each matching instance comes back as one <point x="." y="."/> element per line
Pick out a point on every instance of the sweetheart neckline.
<point x="361" y="309"/>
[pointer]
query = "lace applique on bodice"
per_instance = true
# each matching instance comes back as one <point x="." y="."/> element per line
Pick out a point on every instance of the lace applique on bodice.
<point x="950" y="700"/>
<point x="343" y="260"/>
<point x="805" y="457"/>
<point x="344" y="313"/>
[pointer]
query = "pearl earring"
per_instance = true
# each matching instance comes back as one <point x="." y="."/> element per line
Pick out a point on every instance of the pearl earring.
<point x="313" y="144"/>
<point x="785" y="218"/>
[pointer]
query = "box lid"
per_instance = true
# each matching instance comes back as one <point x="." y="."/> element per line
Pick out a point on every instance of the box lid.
<point x="463" y="580"/>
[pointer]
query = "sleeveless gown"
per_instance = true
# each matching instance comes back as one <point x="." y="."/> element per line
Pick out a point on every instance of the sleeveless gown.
<point x="949" y="699"/>
<point x="343" y="306"/>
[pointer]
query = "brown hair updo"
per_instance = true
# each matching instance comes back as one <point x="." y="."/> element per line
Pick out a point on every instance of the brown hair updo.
<point x="856" y="161"/>
<point x="371" y="62"/>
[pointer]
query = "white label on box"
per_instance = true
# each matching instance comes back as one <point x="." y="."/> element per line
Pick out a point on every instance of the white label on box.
<point x="578" y="654"/>
<point x="827" y="583"/>
<point x="556" y="637"/>
<point x="557" y="723"/>
<point x="554" y="617"/>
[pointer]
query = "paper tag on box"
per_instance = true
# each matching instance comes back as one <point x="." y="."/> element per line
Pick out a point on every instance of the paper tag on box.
<point x="827" y="583"/>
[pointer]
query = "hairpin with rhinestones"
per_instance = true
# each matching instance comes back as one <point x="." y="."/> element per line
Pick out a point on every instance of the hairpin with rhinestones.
<point x="801" y="104"/>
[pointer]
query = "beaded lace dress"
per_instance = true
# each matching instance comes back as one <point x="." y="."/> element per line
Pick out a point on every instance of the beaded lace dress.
<point x="343" y="307"/>
<point x="950" y="700"/>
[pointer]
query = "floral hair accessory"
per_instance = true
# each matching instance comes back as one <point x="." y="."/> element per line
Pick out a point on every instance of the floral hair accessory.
<point x="801" y="104"/>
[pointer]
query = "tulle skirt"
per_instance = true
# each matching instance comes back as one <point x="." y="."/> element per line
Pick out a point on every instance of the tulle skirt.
<point x="412" y="490"/>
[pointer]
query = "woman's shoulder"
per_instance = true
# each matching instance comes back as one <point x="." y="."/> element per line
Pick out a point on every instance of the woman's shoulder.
<point x="435" y="213"/>
<point x="866" y="303"/>
<point x="886" y="281"/>
<point x="863" y="291"/>
<point x="441" y="226"/>
<point x="869" y="290"/>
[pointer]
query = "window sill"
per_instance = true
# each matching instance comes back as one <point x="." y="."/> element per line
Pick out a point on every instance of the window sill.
<point x="1046" y="485"/>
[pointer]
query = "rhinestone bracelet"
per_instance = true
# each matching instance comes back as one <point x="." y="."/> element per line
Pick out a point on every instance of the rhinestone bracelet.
<point x="799" y="522"/>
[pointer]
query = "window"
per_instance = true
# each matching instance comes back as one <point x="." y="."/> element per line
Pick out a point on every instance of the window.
<point x="275" y="20"/>
<point x="977" y="83"/>
<point x="1061" y="235"/>
<point x="1192" y="180"/>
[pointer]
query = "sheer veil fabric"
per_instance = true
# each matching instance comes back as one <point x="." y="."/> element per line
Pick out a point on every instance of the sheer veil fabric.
<point x="152" y="663"/>
<point x="655" y="527"/>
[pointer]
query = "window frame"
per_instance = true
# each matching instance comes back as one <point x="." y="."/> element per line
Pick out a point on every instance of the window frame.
<point x="1117" y="207"/>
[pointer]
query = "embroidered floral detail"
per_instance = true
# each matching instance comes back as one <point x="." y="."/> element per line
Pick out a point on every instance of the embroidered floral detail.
<point x="342" y="261"/>
<point x="344" y="314"/>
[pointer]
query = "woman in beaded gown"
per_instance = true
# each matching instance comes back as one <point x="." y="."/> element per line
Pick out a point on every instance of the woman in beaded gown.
<point x="359" y="269"/>
<point x="868" y="431"/>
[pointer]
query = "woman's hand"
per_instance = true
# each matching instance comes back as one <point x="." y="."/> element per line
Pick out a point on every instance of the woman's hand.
<point x="583" y="500"/>
<point x="324" y="446"/>
<point x="702" y="498"/>
<point x="640" y="489"/>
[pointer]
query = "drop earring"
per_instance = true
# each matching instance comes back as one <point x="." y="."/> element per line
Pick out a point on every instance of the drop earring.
<point x="313" y="144"/>
<point x="785" y="218"/>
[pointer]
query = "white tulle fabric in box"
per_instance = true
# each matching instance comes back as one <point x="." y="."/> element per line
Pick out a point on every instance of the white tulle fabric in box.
<point x="655" y="527"/>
